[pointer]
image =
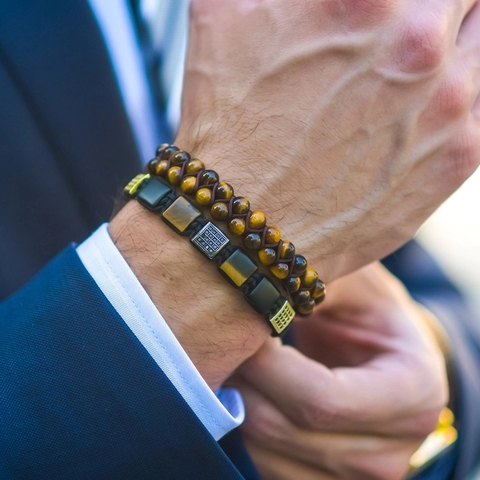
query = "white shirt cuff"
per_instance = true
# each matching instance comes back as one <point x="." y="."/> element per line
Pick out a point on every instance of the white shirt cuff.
<point x="118" y="283"/>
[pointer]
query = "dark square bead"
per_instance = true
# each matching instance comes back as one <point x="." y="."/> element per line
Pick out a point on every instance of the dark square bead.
<point x="238" y="268"/>
<point x="151" y="195"/>
<point x="263" y="296"/>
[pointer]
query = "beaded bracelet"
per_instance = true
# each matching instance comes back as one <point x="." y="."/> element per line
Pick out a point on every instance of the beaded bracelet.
<point x="299" y="280"/>
<point x="184" y="218"/>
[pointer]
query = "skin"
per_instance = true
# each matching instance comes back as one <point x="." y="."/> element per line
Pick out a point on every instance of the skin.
<point x="347" y="122"/>
<point x="357" y="398"/>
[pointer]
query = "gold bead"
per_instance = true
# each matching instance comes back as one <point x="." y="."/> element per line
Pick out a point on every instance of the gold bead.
<point x="187" y="185"/>
<point x="219" y="211"/>
<point x="237" y="226"/>
<point x="194" y="166"/>
<point x="224" y="191"/>
<point x="240" y="205"/>
<point x="257" y="220"/>
<point x="203" y="196"/>
<point x="280" y="271"/>
<point x="272" y="236"/>
<point x="311" y="276"/>
<point x="161" y="168"/>
<point x="267" y="256"/>
<point x="173" y="175"/>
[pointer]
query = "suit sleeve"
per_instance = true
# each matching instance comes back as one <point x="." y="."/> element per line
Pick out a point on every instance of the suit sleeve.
<point x="81" y="398"/>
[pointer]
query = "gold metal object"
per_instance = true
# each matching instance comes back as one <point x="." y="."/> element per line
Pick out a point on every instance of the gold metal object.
<point x="282" y="319"/>
<point x="132" y="186"/>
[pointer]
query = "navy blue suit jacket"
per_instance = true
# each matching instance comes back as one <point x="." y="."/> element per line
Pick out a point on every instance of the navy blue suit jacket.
<point x="79" y="396"/>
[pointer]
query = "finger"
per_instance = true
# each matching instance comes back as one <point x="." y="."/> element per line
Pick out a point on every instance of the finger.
<point x="469" y="31"/>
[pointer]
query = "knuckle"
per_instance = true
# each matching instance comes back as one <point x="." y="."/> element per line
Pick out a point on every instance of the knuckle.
<point x="452" y="99"/>
<point x="360" y="12"/>
<point x="465" y="156"/>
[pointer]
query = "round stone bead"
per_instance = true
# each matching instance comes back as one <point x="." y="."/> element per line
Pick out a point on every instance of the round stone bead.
<point x="194" y="166"/>
<point x="267" y="256"/>
<point x="152" y="165"/>
<point x="161" y="168"/>
<point x="257" y="220"/>
<point x="237" y="226"/>
<point x="252" y="241"/>
<point x="209" y="177"/>
<point x="240" y="205"/>
<point x="203" y="196"/>
<point x="173" y="175"/>
<point x="293" y="284"/>
<point x="180" y="157"/>
<point x="187" y="185"/>
<point x="287" y="250"/>
<point x="224" y="191"/>
<point x="318" y="293"/>
<point x="311" y="277"/>
<point x="161" y="148"/>
<point x="273" y="236"/>
<point x="280" y="271"/>
<point x="302" y="297"/>
<point x="167" y="152"/>
<point x="306" y="308"/>
<point x="299" y="264"/>
<point x="219" y="211"/>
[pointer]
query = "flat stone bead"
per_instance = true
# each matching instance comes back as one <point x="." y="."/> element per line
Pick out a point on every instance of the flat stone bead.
<point x="180" y="157"/>
<point x="273" y="236"/>
<point x="305" y="309"/>
<point x="203" y="196"/>
<point x="238" y="268"/>
<point x="257" y="220"/>
<point x="224" y="191"/>
<point x="299" y="264"/>
<point x="263" y="296"/>
<point x="180" y="214"/>
<point x="151" y="195"/>
<point x="280" y="271"/>
<point x="287" y="250"/>
<point x="267" y="256"/>
<point x="194" y="166"/>
<point x="209" y="177"/>
<point x="292" y="284"/>
<point x="173" y="175"/>
<point x="161" y="168"/>
<point x="252" y="241"/>
<point x="237" y="226"/>
<point x="219" y="211"/>
<point x="187" y="185"/>
<point x="311" y="277"/>
<point x="240" y="205"/>
<point x="167" y="152"/>
<point x="302" y="297"/>
<point x="318" y="293"/>
<point x="152" y="165"/>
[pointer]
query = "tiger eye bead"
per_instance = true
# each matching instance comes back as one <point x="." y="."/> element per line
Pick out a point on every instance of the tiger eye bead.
<point x="287" y="250"/>
<point x="173" y="175"/>
<point x="302" y="297"/>
<point x="293" y="284"/>
<point x="305" y="309"/>
<point x="161" y="148"/>
<point x="311" y="277"/>
<point x="273" y="236"/>
<point x="203" y="196"/>
<point x="194" y="166"/>
<point x="267" y="256"/>
<point x="318" y="293"/>
<point x="299" y="264"/>
<point x="161" y="168"/>
<point x="167" y="152"/>
<point x="219" y="211"/>
<point x="152" y="165"/>
<point x="187" y="185"/>
<point x="237" y="226"/>
<point x="252" y="241"/>
<point x="280" y="271"/>
<point x="257" y="220"/>
<point x="180" y="157"/>
<point x="240" y="205"/>
<point x="224" y="191"/>
<point x="209" y="177"/>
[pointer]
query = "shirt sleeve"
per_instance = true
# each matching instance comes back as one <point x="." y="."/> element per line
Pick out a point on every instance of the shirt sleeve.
<point x="219" y="413"/>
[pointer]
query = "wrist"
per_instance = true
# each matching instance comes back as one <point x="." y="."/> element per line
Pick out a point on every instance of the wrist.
<point x="212" y="322"/>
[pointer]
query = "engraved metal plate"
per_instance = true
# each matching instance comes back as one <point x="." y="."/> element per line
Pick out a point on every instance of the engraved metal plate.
<point x="132" y="186"/>
<point x="210" y="240"/>
<point x="282" y="319"/>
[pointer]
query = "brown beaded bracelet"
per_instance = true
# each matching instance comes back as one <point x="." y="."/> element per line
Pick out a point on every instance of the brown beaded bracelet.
<point x="192" y="178"/>
<point x="184" y="218"/>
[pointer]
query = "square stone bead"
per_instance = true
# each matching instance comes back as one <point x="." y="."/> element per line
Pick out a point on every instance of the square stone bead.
<point x="151" y="195"/>
<point x="263" y="296"/>
<point x="283" y="318"/>
<point x="210" y="240"/>
<point x="238" y="268"/>
<point x="180" y="214"/>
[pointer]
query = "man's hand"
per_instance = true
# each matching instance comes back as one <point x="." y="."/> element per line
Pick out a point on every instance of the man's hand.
<point x="359" y="397"/>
